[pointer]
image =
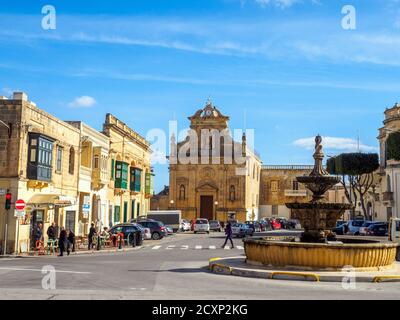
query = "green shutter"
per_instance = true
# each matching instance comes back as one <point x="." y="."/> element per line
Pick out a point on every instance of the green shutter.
<point x="117" y="211"/>
<point x="136" y="175"/>
<point x="121" y="175"/>
<point x="138" y="180"/>
<point x="149" y="183"/>
<point x="125" y="211"/>
<point x="112" y="168"/>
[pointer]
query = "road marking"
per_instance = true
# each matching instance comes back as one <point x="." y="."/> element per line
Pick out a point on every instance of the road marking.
<point x="212" y="247"/>
<point x="170" y="247"/>
<point x="198" y="247"/>
<point x="240" y="247"/>
<point x="184" y="247"/>
<point x="156" y="247"/>
<point x="141" y="289"/>
<point x="40" y="270"/>
<point x="227" y="248"/>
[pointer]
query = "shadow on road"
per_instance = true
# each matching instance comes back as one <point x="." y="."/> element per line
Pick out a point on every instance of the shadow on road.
<point x="178" y="270"/>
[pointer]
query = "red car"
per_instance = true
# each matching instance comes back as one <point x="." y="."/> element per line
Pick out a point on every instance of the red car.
<point x="275" y="224"/>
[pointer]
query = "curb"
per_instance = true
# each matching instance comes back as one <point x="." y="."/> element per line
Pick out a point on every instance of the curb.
<point x="225" y="267"/>
<point x="76" y="253"/>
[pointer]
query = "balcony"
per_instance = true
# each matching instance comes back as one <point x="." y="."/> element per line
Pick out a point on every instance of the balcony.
<point x="295" y="193"/>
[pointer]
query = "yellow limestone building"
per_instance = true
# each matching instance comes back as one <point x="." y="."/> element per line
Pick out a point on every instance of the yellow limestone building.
<point x="94" y="178"/>
<point x="211" y="175"/>
<point x="131" y="185"/>
<point x="38" y="164"/>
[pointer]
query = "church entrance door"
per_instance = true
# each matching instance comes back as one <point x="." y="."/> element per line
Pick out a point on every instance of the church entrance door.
<point x="207" y="207"/>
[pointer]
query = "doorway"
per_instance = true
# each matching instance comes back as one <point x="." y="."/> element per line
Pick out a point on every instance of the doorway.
<point x="36" y="219"/>
<point x="70" y="221"/>
<point x="207" y="207"/>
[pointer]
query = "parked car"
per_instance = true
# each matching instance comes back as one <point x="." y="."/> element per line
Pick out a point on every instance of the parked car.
<point x="254" y="225"/>
<point x="378" y="229"/>
<point x="192" y="223"/>
<point x="185" y="225"/>
<point x="294" y="224"/>
<point x="201" y="225"/>
<point x="215" y="225"/>
<point x="265" y="225"/>
<point x="365" y="226"/>
<point x="275" y="224"/>
<point x="242" y="230"/>
<point x="131" y="232"/>
<point x="170" y="230"/>
<point x="339" y="229"/>
<point x="157" y="228"/>
<point x="353" y="226"/>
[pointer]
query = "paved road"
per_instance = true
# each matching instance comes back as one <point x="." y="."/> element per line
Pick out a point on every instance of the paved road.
<point x="172" y="268"/>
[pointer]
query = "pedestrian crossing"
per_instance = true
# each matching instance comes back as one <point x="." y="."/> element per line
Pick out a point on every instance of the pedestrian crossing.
<point x="195" y="247"/>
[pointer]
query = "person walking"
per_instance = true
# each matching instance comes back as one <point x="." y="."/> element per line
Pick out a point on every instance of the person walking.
<point x="71" y="240"/>
<point x="63" y="242"/>
<point x="228" y="233"/>
<point x="92" y="232"/>
<point x="51" y="232"/>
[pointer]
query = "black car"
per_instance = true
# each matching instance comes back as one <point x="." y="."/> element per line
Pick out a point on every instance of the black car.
<point x="133" y="233"/>
<point x="157" y="228"/>
<point x="378" y="229"/>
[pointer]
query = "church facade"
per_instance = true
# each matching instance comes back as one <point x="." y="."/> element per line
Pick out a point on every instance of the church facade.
<point x="211" y="175"/>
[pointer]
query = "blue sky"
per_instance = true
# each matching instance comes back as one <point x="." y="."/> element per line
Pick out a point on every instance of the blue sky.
<point x="288" y="65"/>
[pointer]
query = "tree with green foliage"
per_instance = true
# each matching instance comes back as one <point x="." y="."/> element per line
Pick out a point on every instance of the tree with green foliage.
<point x="357" y="172"/>
<point x="393" y="146"/>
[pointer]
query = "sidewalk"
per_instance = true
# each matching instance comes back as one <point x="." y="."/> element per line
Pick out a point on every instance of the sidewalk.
<point x="77" y="252"/>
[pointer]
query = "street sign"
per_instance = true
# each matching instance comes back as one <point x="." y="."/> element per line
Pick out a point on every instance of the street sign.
<point x="20" y="205"/>
<point x="19" y="214"/>
<point x="3" y="192"/>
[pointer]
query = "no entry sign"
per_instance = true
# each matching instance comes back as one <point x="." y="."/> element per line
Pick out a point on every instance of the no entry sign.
<point x="20" y="205"/>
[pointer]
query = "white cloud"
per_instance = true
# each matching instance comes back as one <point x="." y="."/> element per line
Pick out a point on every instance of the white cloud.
<point x="335" y="144"/>
<point x="7" y="92"/>
<point x="83" y="102"/>
<point x="278" y="3"/>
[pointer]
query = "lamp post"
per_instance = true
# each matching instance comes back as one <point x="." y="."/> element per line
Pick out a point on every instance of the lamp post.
<point x="216" y="205"/>
<point x="171" y="204"/>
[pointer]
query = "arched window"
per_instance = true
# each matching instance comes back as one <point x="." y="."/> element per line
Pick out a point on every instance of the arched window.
<point x="182" y="192"/>
<point x="232" y="193"/>
<point x="389" y="184"/>
<point x="71" y="160"/>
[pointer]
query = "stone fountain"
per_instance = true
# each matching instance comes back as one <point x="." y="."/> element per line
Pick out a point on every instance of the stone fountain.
<point x="318" y="248"/>
<point x="318" y="217"/>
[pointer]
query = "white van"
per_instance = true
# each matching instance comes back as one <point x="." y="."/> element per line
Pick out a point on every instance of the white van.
<point x="394" y="234"/>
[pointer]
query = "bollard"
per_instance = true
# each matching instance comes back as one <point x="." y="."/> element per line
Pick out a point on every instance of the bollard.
<point x="98" y="243"/>
<point x="120" y="242"/>
<point x="134" y="239"/>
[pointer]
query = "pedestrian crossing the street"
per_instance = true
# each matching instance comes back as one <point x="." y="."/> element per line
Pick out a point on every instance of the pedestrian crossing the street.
<point x="196" y="247"/>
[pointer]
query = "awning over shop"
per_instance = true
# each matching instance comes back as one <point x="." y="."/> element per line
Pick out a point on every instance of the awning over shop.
<point x="49" y="199"/>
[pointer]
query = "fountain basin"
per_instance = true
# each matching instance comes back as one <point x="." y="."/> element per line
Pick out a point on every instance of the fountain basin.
<point x="363" y="255"/>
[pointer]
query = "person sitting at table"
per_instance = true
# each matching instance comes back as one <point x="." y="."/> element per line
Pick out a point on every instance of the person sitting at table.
<point x="51" y="232"/>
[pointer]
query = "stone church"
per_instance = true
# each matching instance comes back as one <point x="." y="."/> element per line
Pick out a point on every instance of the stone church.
<point x="211" y="175"/>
